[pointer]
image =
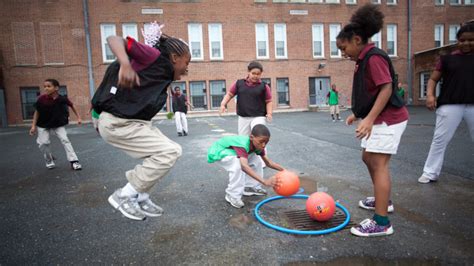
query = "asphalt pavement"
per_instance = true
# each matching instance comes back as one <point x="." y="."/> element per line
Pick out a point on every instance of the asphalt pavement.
<point x="62" y="216"/>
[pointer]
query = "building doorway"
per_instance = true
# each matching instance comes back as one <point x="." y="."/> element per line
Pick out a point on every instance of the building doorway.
<point x="318" y="90"/>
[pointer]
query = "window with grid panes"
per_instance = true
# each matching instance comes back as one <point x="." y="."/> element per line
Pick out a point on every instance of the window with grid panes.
<point x="217" y="92"/>
<point x="283" y="91"/>
<point x="198" y="94"/>
<point x="28" y="99"/>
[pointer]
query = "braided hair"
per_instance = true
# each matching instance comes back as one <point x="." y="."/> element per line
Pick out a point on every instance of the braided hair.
<point x="365" y="22"/>
<point x="171" y="45"/>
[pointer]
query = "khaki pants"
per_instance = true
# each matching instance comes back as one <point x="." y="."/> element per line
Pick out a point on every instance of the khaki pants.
<point x="140" y="139"/>
<point x="334" y="109"/>
<point x="44" y="142"/>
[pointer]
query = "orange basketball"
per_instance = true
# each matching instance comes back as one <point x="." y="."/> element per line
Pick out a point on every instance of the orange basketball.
<point x="289" y="183"/>
<point x="320" y="206"/>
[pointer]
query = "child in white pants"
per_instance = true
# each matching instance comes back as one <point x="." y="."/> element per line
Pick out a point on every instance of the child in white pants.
<point x="233" y="152"/>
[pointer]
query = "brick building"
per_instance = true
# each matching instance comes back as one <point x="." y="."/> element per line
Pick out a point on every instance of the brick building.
<point x="293" y="39"/>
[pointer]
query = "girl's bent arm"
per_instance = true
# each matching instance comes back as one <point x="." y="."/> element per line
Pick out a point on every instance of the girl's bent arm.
<point x="127" y="76"/>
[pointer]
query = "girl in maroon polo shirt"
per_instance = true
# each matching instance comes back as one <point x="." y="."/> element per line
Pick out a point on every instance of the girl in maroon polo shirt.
<point x="384" y="118"/>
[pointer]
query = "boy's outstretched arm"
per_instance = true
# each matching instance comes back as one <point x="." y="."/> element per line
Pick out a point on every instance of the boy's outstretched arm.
<point x="272" y="164"/>
<point x="244" y="164"/>
<point x="128" y="78"/>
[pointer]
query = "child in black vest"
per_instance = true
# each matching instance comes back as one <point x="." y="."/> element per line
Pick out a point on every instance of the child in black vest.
<point x="254" y="107"/>
<point x="134" y="89"/>
<point x="384" y="118"/>
<point x="180" y="108"/>
<point x="455" y="101"/>
<point x="52" y="115"/>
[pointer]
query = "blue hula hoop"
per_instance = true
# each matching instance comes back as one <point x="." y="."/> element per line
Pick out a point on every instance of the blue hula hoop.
<point x="299" y="232"/>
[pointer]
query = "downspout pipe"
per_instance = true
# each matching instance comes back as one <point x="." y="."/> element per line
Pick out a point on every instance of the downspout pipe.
<point x="85" y="8"/>
<point x="409" y="56"/>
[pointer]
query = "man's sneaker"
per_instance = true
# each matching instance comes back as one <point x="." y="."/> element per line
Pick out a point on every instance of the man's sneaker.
<point x="237" y="203"/>
<point x="252" y="191"/>
<point x="369" y="227"/>
<point x="180" y="134"/>
<point x="185" y="133"/>
<point x="150" y="209"/>
<point x="76" y="166"/>
<point x="369" y="204"/>
<point x="128" y="206"/>
<point x="425" y="180"/>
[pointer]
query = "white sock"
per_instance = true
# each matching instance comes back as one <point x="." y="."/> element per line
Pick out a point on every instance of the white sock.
<point x="142" y="196"/>
<point x="129" y="191"/>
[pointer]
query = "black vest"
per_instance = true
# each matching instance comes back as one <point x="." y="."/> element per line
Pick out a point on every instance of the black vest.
<point x="142" y="102"/>
<point x="362" y="100"/>
<point x="179" y="104"/>
<point x="458" y="80"/>
<point x="250" y="100"/>
<point x="54" y="115"/>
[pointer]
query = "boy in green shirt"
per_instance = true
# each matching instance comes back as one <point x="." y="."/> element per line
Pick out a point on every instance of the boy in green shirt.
<point x="333" y="100"/>
<point x="232" y="153"/>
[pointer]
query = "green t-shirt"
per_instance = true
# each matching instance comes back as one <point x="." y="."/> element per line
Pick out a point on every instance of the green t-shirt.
<point x="94" y="114"/>
<point x="401" y="92"/>
<point x="222" y="147"/>
<point x="333" y="98"/>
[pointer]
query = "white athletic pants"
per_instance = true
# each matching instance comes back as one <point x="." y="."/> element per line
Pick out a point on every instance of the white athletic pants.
<point x="245" y="125"/>
<point x="181" y="122"/>
<point x="44" y="142"/>
<point x="237" y="177"/>
<point x="448" y="118"/>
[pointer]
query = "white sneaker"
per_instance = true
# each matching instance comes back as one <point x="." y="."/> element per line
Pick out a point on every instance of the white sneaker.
<point x="425" y="180"/>
<point x="237" y="203"/>
<point x="50" y="165"/>
<point x="76" y="166"/>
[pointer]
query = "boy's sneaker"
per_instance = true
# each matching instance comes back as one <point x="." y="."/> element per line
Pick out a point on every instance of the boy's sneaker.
<point x="185" y="133"/>
<point x="369" y="204"/>
<point x="334" y="121"/>
<point x="76" y="166"/>
<point x="180" y="134"/>
<point x="128" y="206"/>
<point x="49" y="161"/>
<point x="252" y="191"/>
<point x="369" y="227"/>
<point x="150" y="209"/>
<point x="237" y="203"/>
<point x="425" y="180"/>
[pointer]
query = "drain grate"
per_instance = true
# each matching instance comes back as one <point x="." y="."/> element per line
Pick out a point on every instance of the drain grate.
<point x="300" y="220"/>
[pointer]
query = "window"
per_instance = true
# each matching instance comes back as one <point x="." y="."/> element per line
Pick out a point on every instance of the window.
<point x="195" y="41"/>
<point x="351" y="2"/>
<point x="469" y="2"/>
<point x="334" y="30"/>
<point x="424" y="77"/>
<point x="439" y="2"/>
<point x="62" y="90"/>
<point x="280" y="41"/>
<point x="28" y="99"/>
<point x="283" y="91"/>
<point x="315" y="1"/>
<point x="391" y="2"/>
<point x="392" y="40"/>
<point x="217" y="92"/>
<point x="454" y="2"/>
<point x="332" y="1"/>
<point x="107" y="30"/>
<point x="261" y="37"/>
<point x="318" y="40"/>
<point x="280" y="1"/>
<point x="215" y="42"/>
<point x="453" y="29"/>
<point x="375" y="1"/>
<point x="377" y="39"/>
<point x="130" y="30"/>
<point x="198" y="94"/>
<point x="438" y="35"/>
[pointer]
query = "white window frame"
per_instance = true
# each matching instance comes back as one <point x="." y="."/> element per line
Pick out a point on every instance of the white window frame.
<point x="332" y="1"/>
<point x="459" y="2"/>
<point x="130" y="29"/>
<point x="376" y="2"/>
<point x="469" y="2"/>
<point x="334" y="30"/>
<point x="439" y="2"/>
<point x="377" y="38"/>
<point x="439" y="34"/>
<point x="424" y="87"/>
<point x="315" y="1"/>
<point x="279" y="30"/>
<point x="194" y="36"/>
<point x="103" y="38"/>
<point x="351" y="2"/>
<point x="320" y="37"/>
<point x="392" y="2"/>
<point x="392" y="29"/>
<point x="215" y="35"/>
<point x="453" y="30"/>
<point x="263" y="37"/>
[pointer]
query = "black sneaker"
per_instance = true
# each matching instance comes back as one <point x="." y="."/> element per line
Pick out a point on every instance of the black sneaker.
<point x="180" y="134"/>
<point x="185" y="133"/>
